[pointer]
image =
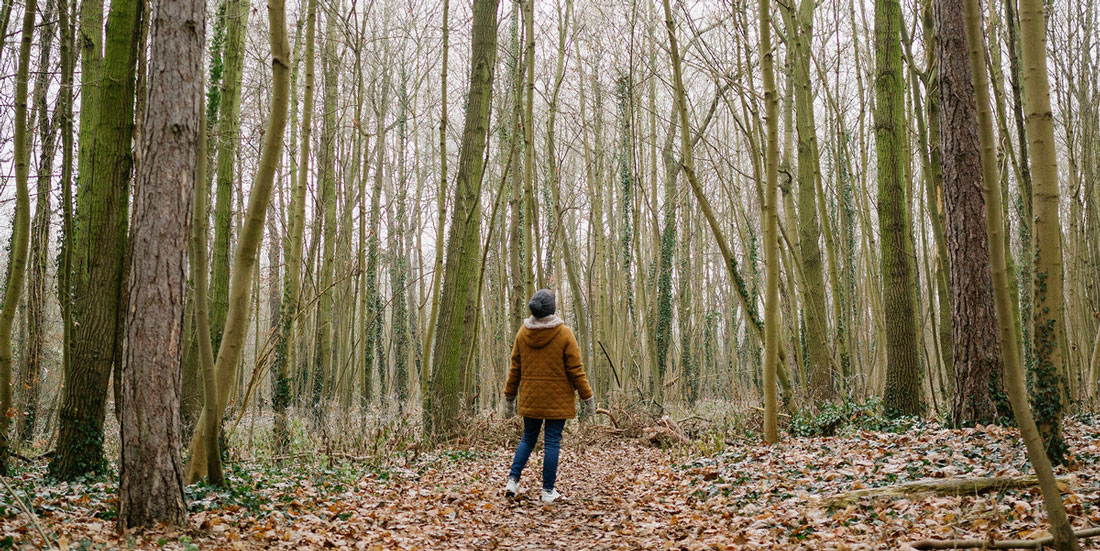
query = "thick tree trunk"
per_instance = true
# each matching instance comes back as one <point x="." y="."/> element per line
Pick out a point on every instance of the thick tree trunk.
<point x="99" y="244"/>
<point x="455" y="330"/>
<point x="150" y="473"/>
<point x="903" y="370"/>
<point x="974" y="322"/>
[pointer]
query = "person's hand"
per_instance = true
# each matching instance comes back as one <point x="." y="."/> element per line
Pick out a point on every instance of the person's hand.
<point x="509" y="407"/>
<point x="588" y="407"/>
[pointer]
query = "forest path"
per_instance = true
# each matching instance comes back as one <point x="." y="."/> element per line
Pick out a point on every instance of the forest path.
<point x="619" y="495"/>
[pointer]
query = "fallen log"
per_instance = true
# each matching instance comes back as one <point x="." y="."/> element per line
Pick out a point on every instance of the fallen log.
<point x="938" y="487"/>
<point x="1038" y="543"/>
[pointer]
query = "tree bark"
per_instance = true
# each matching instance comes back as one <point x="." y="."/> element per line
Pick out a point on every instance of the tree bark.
<point x="65" y="106"/>
<point x="30" y="377"/>
<point x="800" y="38"/>
<point x="458" y="297"/>
<point x="974" y="330"/>
<point x="99" y="244"/>
<point x="244" y="258"/>
<point x="1047" y="369"/>
<point x="903" y="394"/>
<point x="771" y="226"/>
<point x="1060" y="527"/>
<point x="17" y="262"/>
<point x="150" y="470"/>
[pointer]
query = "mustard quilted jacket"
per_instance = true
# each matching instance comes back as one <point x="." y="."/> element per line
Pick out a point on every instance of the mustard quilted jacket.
<point x="546" y="370"/>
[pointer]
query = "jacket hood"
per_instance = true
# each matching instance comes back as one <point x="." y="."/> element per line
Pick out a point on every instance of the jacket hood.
<point x="538" y="332"/>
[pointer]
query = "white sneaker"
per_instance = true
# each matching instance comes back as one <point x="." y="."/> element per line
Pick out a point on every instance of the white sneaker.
<point x="551" y="496"/>
<point x="512" y="488"/>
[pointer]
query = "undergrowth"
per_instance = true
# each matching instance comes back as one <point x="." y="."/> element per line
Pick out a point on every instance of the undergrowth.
<point x="836" y="418"/>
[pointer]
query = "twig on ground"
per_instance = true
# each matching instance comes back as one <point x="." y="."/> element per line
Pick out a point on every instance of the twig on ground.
<point x="21" y="457"/>
<point x="692" y="417"/>
<point x="26" y="508"/>
<point x="1038" y="543"/>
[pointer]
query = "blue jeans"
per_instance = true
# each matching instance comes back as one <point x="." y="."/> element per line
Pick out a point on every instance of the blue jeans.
<point x="551" y="448"/>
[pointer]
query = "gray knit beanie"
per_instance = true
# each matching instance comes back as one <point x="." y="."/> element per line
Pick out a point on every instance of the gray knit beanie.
<point x="542" y="304"/>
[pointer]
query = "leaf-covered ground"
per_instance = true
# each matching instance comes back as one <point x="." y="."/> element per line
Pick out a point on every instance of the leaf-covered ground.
<point x="621" y="494"/>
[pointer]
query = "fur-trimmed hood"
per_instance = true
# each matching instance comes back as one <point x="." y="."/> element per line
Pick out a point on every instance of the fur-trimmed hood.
<point x="539" y="332"/>
<point x="548" y="322"/>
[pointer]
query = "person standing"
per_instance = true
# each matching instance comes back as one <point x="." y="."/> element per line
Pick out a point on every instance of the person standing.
<point x="546" y="371"/>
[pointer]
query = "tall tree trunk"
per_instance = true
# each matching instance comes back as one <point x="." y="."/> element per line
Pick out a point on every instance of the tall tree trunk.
<point x="1024" y="205"/>
<point x="200" y="269"/>
<point x="903" y="370"/>
<point x="1047" y="369"/>
<point x="667" y="251"/>
<point x="244" y="258"/>
<point x="99" y="240"/>
<point x="532" y="256"/>
<point x="800" y="36"/>
<point x="30" y="380"/>
<point x="323" y="372"/>
<point x="518" y="266"/>
<point x="1060" y="528"/>
<point x="399" y="270"/>
<point x="973" y="315"/>
<point x="771" y="226"/>
<point x="934" y="188"/>
<point x="226" y="140"/>
<point x="150" y="473"/>
<point x="17" y="262"/>
<point x="441" y="199"/>
<point x="292" y="282"/>
<point x="372" y="321"/>
<point x="65" y="106"/>
<point x="455" y="330"/>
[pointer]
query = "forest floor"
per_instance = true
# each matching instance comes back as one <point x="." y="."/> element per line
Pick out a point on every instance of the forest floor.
<point x="621" y="494"/>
